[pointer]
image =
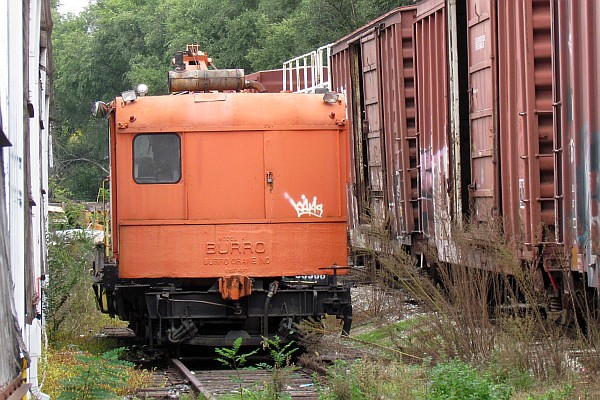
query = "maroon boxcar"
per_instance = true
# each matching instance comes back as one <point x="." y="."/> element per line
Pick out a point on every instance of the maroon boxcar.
<point x="577" y="94"/>
<point x="373" y="66"/>
<point x="484" y="111"/>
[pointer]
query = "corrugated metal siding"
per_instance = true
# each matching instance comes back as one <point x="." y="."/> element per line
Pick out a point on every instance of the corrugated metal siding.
<point x="373" y="66"/>
<point x="576" y="37"/>
<point x="399" y="116"/>
<point x="530" y="196"/>
<point x="431" y="68"/>
<point x="483" y="121"/>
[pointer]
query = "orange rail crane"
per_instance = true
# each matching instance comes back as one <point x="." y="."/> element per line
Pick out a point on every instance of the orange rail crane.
<point x="228" y="209"/>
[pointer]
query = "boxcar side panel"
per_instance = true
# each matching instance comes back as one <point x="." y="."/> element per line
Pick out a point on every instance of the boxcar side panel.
<point x="530" y="196"/>
<point x="576" y="34"/>
<point x="372" y="125"/>
<point x="374" y="66"/>
<point x="342" y="83"/>
<point x="431" y="68"/>
<point x="399" y="114"/>
<point x="483" y="108"/>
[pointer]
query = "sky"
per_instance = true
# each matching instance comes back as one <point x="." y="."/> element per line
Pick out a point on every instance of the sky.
<point x="72" y="6"/>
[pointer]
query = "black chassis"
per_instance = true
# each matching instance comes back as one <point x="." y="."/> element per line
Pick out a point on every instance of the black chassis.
<point x="193" y="312"/>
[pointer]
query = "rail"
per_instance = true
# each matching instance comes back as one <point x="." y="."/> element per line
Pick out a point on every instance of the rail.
<point x="308" y="72"/>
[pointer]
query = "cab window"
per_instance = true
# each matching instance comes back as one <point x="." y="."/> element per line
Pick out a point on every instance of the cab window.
<point x="157" y="158"/>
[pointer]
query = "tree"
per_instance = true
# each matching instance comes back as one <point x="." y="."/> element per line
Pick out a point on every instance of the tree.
<point x="114" y="45"/>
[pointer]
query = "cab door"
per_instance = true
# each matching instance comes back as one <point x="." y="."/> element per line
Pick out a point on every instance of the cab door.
<point x="302" y="175"/>
<point x="225" y="171"/>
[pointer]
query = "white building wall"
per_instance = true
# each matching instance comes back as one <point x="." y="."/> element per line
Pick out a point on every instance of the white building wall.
<point x="39" y="160"/>
<point x="18" y="52"/>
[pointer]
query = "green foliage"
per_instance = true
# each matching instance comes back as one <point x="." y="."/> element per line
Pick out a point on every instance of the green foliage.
<point x="364" y="379"/>
<point x="68" y="297"/>
<point x="342" y="382"/>
<point x="231" y="357"/>
<point x="114" y="45"/>
<point x="458" y="380"/>
<point x="281" y="356"/>
<point x="282" y="365"/>
<point x="68" y="302"/>
<point x="98" y="378"/>
<point x="75" y="213"/>
<point x="564" y="393"/>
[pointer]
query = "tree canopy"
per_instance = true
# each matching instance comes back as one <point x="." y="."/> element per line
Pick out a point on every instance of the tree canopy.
<point x="113" y="45"/>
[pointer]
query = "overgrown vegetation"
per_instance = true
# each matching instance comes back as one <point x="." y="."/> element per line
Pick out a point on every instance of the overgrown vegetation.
<point x="478" y="333"/>
<point x="281" y="366"/>
<point x="97" y="376"/>
<point x="79" y="365"/>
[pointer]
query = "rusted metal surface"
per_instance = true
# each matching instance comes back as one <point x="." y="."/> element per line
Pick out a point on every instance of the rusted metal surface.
<point x="399" y="115"/>
<point x="206" y="80"/>
<point x="483" y="110"/>
<point x="575" y="33"/>
<point x="431" y="66"/>
<point x="527" y="139"/>
<point x="196" y="384"/>
<point x="271" y="79"/>
<point x="16" y="389"/>
<point x="374" y="67"/>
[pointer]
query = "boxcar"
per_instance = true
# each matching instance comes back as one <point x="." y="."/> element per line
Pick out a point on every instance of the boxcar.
<point x="480" y="113"/>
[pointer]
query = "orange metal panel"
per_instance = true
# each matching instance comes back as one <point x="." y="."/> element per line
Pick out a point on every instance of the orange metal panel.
<point x="114" y="190"/>
<point x="244" y="175"/>
<point x="145" y="201"/>
<point x="225" y="112"/>
<point x="306" y="175"/>
<point x="254" y="250"/>
<point x="225" y="175"/>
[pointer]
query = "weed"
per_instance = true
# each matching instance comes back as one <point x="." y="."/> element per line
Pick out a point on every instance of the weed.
<point x="363" y="379"/>
<point x="231" y="357"/>
<point x="564" y="393"/>
<point x="282" y="365"/>
<point x="281" y="356"/>
<point x="97" y="377"/>
<point x="458" y="380"/>
<point x="69" y="305"/>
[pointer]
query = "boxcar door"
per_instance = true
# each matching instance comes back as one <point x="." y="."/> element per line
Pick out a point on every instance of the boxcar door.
<point x="483" y="119"/>
<point x="372" y="125"/>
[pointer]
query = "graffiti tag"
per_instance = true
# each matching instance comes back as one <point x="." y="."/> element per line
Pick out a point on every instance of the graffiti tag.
<point x="303" y="207"/>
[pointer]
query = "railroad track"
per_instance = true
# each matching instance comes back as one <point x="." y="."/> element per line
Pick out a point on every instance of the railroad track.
<point x="177" y="378"/>
<point x="167" y="383"/>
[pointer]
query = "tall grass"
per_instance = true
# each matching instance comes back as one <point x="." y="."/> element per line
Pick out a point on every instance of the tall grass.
<point x="487" y="309"/>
